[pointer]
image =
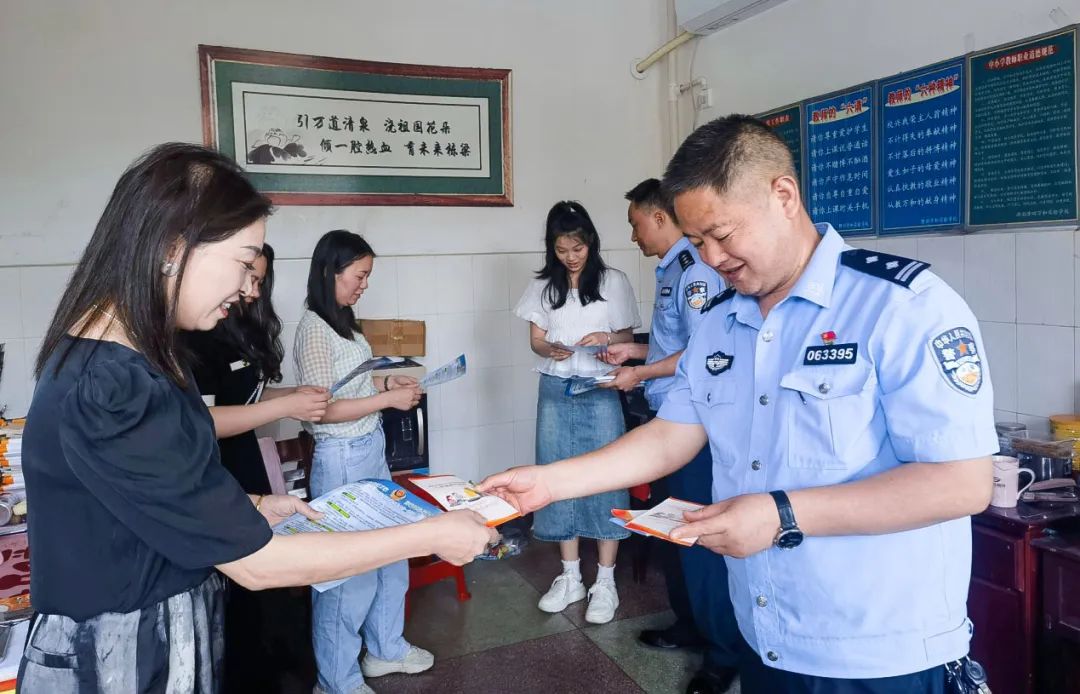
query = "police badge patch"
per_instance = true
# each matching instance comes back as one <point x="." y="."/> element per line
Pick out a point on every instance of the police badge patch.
<point x="696" y="295"/>
<point x="718" y="362"/>
<point x="959" y="360"/>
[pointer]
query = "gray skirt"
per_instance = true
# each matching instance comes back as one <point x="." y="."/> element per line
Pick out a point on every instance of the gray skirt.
<point x="569" y="425"/>
<point x="173" y="647"/>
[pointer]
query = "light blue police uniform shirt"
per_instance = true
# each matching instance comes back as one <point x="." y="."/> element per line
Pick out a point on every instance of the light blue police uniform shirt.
<point x="683" y="285"/>
<point x="904" y="380"/>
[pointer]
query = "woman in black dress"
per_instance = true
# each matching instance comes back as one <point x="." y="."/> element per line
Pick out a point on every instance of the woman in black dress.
<point x="233" y="365"/>
<point x="135" y="510"/>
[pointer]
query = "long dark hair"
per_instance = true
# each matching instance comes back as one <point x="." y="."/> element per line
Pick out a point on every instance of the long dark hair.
<point x="569" y="218"/>
<point x="255" y="329"/>
<point x="334" y="252"/>
<point x="175" y="195"/>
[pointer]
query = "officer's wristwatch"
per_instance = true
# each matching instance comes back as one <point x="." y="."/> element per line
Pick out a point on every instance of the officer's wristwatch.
<point x="789" y="536"/>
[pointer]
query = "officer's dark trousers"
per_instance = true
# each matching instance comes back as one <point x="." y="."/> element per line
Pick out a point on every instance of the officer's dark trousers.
<point x="705" y="578"/>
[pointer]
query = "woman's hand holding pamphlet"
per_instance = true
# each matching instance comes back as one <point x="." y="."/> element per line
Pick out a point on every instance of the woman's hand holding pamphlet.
<point x="659" y="521"/>
<point x="372" y="504"/>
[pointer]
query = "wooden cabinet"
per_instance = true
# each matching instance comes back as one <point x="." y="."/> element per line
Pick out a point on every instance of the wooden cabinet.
<point x="1005" y="599"/>
<point x="1059" y="640"/>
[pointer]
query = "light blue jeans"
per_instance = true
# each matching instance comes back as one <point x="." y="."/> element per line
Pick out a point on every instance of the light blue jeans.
<point x="369" y="608"/>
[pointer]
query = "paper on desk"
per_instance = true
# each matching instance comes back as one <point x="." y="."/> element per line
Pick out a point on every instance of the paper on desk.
<point x="455" y="494"/>
<point x="660" y="520"/>
<point x="444" y="374"/>
<point x="369" y="365"/>
<point x="364" y="505"/>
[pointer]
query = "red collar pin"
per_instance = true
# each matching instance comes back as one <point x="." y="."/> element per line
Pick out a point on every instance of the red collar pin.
<point x="828" y="337"/>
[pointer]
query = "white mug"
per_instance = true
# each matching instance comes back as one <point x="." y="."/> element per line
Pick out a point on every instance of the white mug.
<point x="1007" y="473"/>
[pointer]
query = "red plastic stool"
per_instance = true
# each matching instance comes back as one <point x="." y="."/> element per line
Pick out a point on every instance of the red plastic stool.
<point x="423" y="571"/>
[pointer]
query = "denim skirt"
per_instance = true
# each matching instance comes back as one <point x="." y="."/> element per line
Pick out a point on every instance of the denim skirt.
<point x="570" y="425"/>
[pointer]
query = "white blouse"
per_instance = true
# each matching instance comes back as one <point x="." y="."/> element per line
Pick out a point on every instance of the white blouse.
<point x="323" y="358"/>
<point x="569" y="324"/>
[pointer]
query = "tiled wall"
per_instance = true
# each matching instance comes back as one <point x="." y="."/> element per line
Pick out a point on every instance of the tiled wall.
<point x="1022" y="286"/>
<point x="480" y="424"/>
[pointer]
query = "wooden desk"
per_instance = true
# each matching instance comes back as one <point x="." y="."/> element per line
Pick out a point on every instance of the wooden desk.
<point x="1005" y="599"/>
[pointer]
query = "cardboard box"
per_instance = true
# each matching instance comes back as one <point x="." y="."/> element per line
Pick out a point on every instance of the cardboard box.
<point x="395" y="338"/>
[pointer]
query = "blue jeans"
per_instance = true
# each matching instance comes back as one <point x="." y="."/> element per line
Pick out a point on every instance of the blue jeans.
<point x="366" y="609"/>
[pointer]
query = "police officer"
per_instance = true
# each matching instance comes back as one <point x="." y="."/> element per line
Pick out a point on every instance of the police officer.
<point x="849" y="411"/>
<point x="696" y="577"/>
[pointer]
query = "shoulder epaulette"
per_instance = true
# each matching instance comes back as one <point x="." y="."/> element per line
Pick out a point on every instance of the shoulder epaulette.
<point x="718" y="299"/>
<point x="894" y="268"/>
<point x="685" y="259"/>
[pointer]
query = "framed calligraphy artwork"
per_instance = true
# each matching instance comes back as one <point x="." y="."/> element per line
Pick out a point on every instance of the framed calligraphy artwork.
<point x="310" y="130"/>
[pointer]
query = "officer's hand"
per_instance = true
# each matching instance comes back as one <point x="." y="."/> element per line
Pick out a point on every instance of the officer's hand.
<point x="617" y="354"/>
<point x="736" y="527"/>
<point x="626" y="378"/>
<point x="523" y="487"/>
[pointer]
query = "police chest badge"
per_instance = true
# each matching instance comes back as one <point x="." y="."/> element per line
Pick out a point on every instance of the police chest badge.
<point x="959" y="360"/>
<point x="696" y="295"/>
<point x="718" y="362"/>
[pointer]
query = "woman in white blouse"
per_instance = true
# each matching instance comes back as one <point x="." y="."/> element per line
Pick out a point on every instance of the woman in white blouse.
<point x="368" y="609"/>
<point x="577" y="300"/>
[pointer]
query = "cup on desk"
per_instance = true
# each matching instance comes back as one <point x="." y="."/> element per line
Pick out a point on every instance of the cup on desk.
<point x="1007" y="473"/>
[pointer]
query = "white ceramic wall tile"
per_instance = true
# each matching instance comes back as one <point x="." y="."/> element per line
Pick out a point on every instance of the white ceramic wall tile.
<point x="495" y="444"/>
<point x="458" y="403"/>
<point x="525" y="442"/>
<point x="459" y="455"/>
<point x="521" y="353"/>
<point x="14" y="393"/>
<point x="1038" y="427"/>
<point x="990" y="276"/>
<point x="868" y="243"/>
<point x="525" y="387"/>
<point x="41" y="289"/>
<point x="494" y="395"/>
<point x="491" y="282"/>
<point x="628" y="262"/>
<point x="381" y="298"/>
<point x="1045" y="284"/>
<point x="288" y="365"/>
<point x="946" y="257"/>
<point x="10" y="293"/>
<point x="999" y="345"/>
<point x="437" y="454"/>
<point x="31" y="347"/>
<point x="416" y="285"/>
<point x="647" y="268"/>
<point x="1045" y="372"/>
<point x="906" y="246"/>
<point x="1003" y="416"/>
<point x="492" y="334"/>
<point x="453" y="288"/>
<point x="521" y="270"/>
<point x="456" y="335"/>
<point x="290" y="289"/>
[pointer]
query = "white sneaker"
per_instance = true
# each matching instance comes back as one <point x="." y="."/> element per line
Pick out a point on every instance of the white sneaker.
<point x="362" y="689"/>
<point x="416" y="660"/>
<point x="565" y="590"/>
<point x="603" y="601"/>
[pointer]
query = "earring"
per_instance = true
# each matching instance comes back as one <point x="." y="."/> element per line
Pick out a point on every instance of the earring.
<point x="170" y="269"/>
